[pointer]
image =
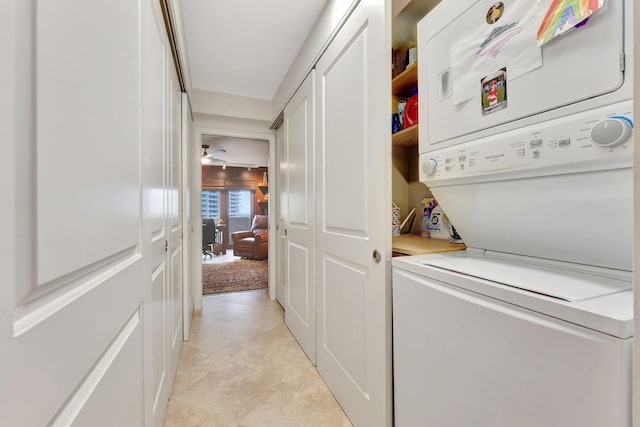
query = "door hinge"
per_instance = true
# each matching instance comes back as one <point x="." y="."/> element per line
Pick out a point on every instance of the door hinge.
<point x="622" y="62"/>
<point x="166" y="245"/>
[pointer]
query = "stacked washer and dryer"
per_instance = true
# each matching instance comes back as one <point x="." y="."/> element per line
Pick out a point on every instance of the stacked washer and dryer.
<point x="532" y="324"/>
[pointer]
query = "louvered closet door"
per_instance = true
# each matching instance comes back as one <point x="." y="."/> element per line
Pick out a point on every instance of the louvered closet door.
<point x="353" y="217"/>
<point x="72" y="264"/>
<point x="300" y="306"/>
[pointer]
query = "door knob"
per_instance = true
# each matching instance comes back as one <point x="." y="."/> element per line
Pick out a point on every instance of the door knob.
<point x="376" y="256"/>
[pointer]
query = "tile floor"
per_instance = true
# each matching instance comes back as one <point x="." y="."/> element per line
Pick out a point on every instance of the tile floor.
<point x="242" y="367"/>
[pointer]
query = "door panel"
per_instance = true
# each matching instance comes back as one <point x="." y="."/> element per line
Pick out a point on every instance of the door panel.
<point x="156" y="136"/>
<point x="158" y="345"/>
<point x="176" y="294"/>
<point x="352" y="199"/>
<point x="107" y="216"/>
<point x="117" y="374"/>
<point x="73" y="260"/>
<point x="345" y="202"/>
<point x="300" y="307"/>
<point x="174" y="246"/>
<point x="299" y="292"/>
<point x="345" y="326"/>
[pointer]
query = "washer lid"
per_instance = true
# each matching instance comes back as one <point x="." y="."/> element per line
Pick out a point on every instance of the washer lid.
<point x="595" y="298"/>
<point x="565" y="285"/>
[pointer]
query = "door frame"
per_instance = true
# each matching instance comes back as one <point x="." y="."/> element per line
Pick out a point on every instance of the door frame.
<point x="270" y="137"/>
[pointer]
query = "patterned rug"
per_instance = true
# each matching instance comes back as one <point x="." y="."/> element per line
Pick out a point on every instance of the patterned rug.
<point x="243" y="275"/>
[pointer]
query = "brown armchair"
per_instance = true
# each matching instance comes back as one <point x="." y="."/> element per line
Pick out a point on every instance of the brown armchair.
<point x="253" y="243"/>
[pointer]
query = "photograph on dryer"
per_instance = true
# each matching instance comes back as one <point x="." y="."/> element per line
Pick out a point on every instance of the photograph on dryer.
<point x="494" y="91"/>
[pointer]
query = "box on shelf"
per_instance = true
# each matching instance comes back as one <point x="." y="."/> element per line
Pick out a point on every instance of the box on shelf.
<point x="400" y="57"/>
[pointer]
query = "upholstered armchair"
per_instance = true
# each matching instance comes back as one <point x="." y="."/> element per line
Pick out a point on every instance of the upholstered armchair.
<point x="254" y="243"/>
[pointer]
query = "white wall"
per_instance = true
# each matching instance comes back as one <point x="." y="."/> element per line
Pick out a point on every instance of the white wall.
<point x="237" y="124"/>
<point x="222" y="104"/>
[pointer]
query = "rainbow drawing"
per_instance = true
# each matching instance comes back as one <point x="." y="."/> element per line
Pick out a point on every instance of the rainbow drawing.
<point x="563" y="15"/>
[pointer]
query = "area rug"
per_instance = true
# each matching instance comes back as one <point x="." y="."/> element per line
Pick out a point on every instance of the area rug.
<point x="243" y="275"/>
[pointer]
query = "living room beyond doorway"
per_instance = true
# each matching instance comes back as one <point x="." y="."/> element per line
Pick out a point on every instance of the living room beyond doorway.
<point x="235" y="219"/>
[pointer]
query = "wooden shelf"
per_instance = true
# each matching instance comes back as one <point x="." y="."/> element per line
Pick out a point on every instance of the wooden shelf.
<point x="406" y="81"/>
<point x="412" y="244"/>
<point x="406" y="137"/>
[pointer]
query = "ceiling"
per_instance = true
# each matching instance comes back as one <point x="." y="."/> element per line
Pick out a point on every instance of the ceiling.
<point x="245" y="47"/>
<point x="239" y="151"/>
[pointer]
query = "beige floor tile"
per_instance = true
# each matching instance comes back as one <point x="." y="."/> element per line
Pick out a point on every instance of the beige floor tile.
<point x="242" y="367"/>
<point x="183" y="415"/>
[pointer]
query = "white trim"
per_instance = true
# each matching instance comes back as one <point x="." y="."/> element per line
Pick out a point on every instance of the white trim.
<point x="267" y="136"/>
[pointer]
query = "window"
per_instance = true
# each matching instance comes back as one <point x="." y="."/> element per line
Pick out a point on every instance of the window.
<point x="240" y="204"/>
<point x="210" y="204"/>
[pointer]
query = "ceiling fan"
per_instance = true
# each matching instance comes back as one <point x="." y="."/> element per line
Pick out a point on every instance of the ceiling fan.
<point x="212" y="158"/>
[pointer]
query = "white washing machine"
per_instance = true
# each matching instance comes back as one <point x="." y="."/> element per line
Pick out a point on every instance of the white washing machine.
<point x="532" y="324"/>
<point x="482" y="340"/>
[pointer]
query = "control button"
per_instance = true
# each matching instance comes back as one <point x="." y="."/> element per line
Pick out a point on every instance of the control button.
<point x="535" y="143"/>
<point x="447" y="161"/>
<point x="564" y="142"/>
<point x="462" y="158"/>
<point x="430" y="166"/>
<point x="612" y="131"/>
<point x="536" y="153"/>
<point x="448" y="168"/>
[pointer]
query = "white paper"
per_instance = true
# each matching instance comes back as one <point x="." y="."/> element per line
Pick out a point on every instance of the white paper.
<point x="511" y="42"/>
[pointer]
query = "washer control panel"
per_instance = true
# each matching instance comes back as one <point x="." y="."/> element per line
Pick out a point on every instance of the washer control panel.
<point x="592" y="140"/>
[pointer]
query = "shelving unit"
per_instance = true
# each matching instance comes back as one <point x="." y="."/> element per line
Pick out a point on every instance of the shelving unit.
<point x="407" y="191"/>
<point x="264" y="203"/>
<point x="406" y="137"/>
<point x="406" y="81"/>
<point x="401" y="86"/>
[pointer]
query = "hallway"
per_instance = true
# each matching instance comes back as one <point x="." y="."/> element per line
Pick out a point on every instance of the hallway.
<point x="242" y="367"/>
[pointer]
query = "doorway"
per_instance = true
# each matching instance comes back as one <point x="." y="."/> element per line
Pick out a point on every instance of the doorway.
<point x="234" y="199"/>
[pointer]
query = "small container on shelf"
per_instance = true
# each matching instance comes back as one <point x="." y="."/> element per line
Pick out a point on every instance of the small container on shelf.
<point x="411" y="110"/>
<point x="395" y="123"/>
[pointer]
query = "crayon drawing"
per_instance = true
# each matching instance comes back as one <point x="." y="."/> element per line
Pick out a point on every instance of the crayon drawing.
<point x="564" y="15"/>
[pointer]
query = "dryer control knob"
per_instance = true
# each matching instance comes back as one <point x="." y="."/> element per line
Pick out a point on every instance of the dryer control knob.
<point x="430" y="166"/>
<point x="612" y="131"/>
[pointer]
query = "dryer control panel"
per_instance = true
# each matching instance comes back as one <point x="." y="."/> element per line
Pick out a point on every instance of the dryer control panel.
<point x="589" y="141"/>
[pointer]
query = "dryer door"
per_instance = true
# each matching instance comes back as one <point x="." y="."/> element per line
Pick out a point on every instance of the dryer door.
<point x="462" y="54"/>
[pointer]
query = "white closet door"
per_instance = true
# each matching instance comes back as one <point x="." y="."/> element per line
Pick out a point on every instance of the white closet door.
<point x="281" y="209"/>
<point x="174" y="186"/>
<point x="158" y="101"/>
<point x="353" y="240"/>
<point x="188" y="166"/>
<point x="72" y="258"/>
<point x="300" y="307"/>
